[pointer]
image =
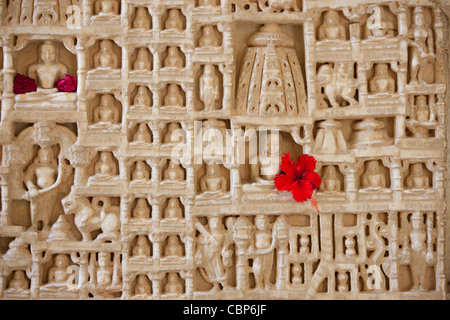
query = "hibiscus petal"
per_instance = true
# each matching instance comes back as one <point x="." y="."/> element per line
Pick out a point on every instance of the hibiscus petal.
<point x="287" y="166"/>
<point x="304" y="163"/>
<point x="283" y="182"/>
<point x="313" y="178"/>
<point x="302" y="190"/>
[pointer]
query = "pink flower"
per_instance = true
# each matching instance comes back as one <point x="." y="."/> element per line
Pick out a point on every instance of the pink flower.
<point x="68" y="84"/>
<point x="24" y="84"/>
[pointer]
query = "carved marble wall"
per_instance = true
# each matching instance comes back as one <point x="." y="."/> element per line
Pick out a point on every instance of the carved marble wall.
<point x="93" y="205"/>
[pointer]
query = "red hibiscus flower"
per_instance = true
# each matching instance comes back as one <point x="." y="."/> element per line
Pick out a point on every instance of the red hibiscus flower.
<point x="24" y="84"/>
<point x="68" y="84"/>
<point x="298" y="178"/>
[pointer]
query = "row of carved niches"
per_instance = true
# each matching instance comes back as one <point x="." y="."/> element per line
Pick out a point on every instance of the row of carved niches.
<point x="273" y="6"/>
<point x="401" y="247"/>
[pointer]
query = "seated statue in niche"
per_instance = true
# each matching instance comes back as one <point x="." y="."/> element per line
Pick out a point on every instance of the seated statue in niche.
<point x="208" y="39"/>
<point x="173" y="212"/>
<point x="18" y="250"/>
<point x="331" y="28"/>
<point x="142" y="99"/>
<point x="173" y="247"/>
<point x="141" y="21"/>
<point x="174" y="172"/>
<point x="173" y="96"/>
<point x="174" y="21"/>
<point x="105" y="169"/>
<point x="19" y="283"/>
<point x="143" y="286"/>
<point x="42" y="179"/>
<point x="58" y="274"/>
<point x="141" y="249"/>
<point x="382" y="82"/>
<point x="209" y="88"/>
<point x="330" y="181"/>
<point x="417" y="179"/>
<point x="174" y="58"/>
<point x="373" y="179"/>
<point x="142" y="135"/>
<point x="213" y="255"/>
<point x="143" y="61"/>
<point x="421" y="41"/>
<point x="213" y="185"/>
<point x="382" y="27"/>
<point x="107" y="7"/>
<point x="170" y="136"/>
<point x="105" y="58"/>
<point x="105" y="269"/>
<point x="173" y="285"/>
<point x="141" y="210"/>
<point x="106" y="113"/>
<point x="140" y="172"/>
<point x="48" y="70"/>
<point x="423" y="120"/>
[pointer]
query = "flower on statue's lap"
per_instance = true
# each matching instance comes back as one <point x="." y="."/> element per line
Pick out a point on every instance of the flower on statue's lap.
<point x="298" y="178"/>
<point x="24" y="84"/>
<point x="68" y="84"/>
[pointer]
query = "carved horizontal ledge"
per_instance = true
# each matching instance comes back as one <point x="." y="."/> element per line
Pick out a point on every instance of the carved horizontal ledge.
<point x="272" y="122"/>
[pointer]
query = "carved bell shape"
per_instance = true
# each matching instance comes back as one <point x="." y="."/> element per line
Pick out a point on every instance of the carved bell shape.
<point x="330" y="139"/>
<point x="60" y="231"/>
<point x="369" y="132"/>
<point x="271" y="80"/>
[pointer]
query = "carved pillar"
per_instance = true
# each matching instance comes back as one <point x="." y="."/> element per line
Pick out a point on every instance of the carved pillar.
<point x="439" y="171"/>
<point x="350" y="172"/>
<point x="393" y="251"/>
<point x="441" y="281"/>
<point x="82" y="261"/>
<point x="440" y="45"/>
<point x="397" y="171"/>
<point x="5" y="219"/>
<point x="310" y="38"/>
<point x="282" y="233"/>
<point x="363" y="70"/>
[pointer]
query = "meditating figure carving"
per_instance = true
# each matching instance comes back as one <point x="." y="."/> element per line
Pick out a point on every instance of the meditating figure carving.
<point x="142" y="135"/>
<point x="208" y="39"/>
<point x="174" y="58"/>
<point x="173" y="285"/>
<point x="422" y="56"/>
<point x="58" y="274"/>
<point x="330" y="181"/>
<point x="267" y="163"/>
<point x="331" y="28"/>
<point x="141" y="210"/>
<point x="373" y="178"/>
<point x="417" y="179"/>
<point x="106" y="113"/>
<point x="209" y="88"/>
<point x="173" y="247"/>
<point x="105" y="166"/>
<point x="140" y="172"/>
<point x="105" y="58"/>
<point x="213" y="256"/>
<point x="174" y="21"/>
<point x="48" y="70"/>
<point x="42" y="178"/>
<point x="213" y="182"/>
<point x="143" y="286"/>
<point x="107" y="7"/>
<point x="173" y="210"/>
<point x="173" y="96"/>
<point x="382" y="26"/>
<point x="143" y="61"/>
<point x="141" y="249"/>
<point x="19" y="283"/>
<point x="423" y="120"/>
<point x="174" y="172"/>
<point x="141" y="21"/>
<point x="170" y="136"/>
<point x="382" y="82"/>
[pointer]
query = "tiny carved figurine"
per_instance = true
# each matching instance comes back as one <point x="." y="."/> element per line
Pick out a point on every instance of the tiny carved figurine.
<point x="330" y="180"/>
<point x="170" y="136"/>
<point x="105" y="166"/>
<point x="173" y="96"/>
<point x="173" y="247"/>
<point x="208" y="38"/>
<point x="140" y="172"/>
<point x="141" y="248"/>
<point x="142" y="134"/>
<point x="141" y="21"/>
<point x="174" y="172"/>
<point x="173" y="210"/>
<point x="58" y="274"/>
<point x="143" y="286"/>
<point x="142" y="61"/>
<point x="373" y="178"/>
<point x="106" y="112"/>
<point x="331" y="29"/>
<point x="142" y="97"/>
<point x="105" y="58"/>
<point x="382" y="82"/>
<point x="141" y="210"/>
<point x="174" y="58"/>
<point x="174" y="20"/>
<point x="209" y="88"/>
<point x="19" y="282"/>
<point x="173" y="285"/>
<point x="213" y="181"/>
<point x="417" y="179"/>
